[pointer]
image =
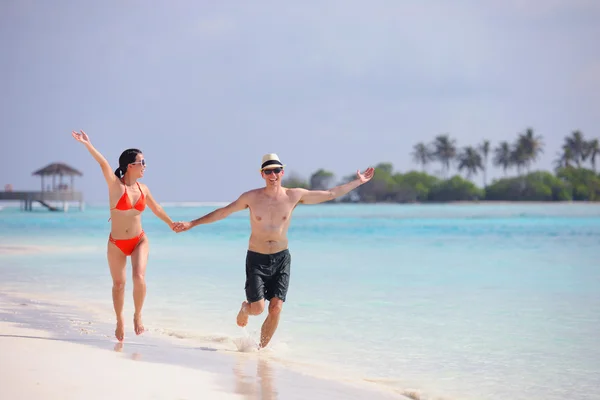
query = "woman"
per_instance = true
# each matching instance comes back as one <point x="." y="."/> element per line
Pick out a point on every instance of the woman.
<point x="128" y="199"/>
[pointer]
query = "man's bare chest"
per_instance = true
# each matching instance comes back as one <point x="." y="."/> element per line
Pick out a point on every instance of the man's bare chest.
<point x="272" y="211"/>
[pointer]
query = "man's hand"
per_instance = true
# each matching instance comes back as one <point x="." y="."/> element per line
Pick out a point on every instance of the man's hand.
<point x="181" y="226"/>
<point x="366" y="177"/>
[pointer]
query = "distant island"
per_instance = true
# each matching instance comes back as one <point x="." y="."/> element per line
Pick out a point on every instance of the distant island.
<point x="574" y="178"/>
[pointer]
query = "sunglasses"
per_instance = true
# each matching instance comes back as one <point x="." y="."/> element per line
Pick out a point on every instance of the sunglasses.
<point x="143" y="162"/>
<point x="272" y="170"/>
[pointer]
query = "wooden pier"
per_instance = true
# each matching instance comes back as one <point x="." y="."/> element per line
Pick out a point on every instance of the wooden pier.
<point x="45" y="199"/>
<point x="51" y="194"/>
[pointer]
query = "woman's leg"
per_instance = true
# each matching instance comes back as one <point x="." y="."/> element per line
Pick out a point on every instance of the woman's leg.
<point x="117" y="262"/>
<point x="139" y="259"/>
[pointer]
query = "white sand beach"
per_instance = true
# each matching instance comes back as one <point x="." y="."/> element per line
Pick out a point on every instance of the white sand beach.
<point x="45" y="358"/>
<point x="35" y="366"/>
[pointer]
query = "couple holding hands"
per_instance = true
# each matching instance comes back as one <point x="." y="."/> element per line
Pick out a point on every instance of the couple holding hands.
<point x="268" y="259"/>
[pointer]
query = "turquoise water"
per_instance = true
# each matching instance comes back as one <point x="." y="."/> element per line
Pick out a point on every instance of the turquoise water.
<point x="457" y="301"/>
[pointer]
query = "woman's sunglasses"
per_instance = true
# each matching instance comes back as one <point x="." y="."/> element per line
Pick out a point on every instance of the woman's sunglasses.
<point x="143" y="162"/>
<point x="272" y="170"/>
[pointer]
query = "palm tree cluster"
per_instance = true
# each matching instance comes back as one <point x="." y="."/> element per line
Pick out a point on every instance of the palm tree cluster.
<point x="443" y="149"/>
<point x="520" y="154"/>
<point x="576" y="150"/>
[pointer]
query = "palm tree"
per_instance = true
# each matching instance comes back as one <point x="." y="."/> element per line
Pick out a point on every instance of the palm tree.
<point x="578" y="147"/>
<point x="471" y="160"/>
<point x="527" y="149"/>
<point x="484" y="148"/>
<point x="593" y="150"/>
<point x="444" y="151"/>
<point x="502" y="156"/>
<point x="422" y="155"/>
<point x="518" y="157"/>
<point x="565" y="158"/>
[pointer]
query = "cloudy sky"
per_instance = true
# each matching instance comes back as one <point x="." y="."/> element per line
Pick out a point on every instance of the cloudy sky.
<point x="205" y="88"/>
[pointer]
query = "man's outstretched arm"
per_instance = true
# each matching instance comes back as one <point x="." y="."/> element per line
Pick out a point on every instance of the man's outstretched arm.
<point x="320" y="196"/>
<point x="213" y="216"/>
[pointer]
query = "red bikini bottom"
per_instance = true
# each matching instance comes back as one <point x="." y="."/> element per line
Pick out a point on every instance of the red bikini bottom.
<point x="127" y="246"/>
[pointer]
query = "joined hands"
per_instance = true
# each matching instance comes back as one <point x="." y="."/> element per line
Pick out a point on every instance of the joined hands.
<point x="181" y="226"/>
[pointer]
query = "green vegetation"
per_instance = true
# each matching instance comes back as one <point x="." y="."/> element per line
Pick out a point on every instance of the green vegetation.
<point x="574" y="178"/>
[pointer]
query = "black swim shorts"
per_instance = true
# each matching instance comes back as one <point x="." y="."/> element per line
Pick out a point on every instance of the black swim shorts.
<point x="267" y="275"/>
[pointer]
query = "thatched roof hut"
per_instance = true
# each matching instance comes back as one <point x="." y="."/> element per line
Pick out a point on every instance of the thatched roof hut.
<point x="57" y="169"/>
<point x="60" y="170"/>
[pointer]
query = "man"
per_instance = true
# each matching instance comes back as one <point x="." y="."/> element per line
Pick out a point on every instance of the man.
<point x="268" y="259"/>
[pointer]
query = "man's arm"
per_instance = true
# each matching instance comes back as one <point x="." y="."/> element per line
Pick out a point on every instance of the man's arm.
<point x="157" y="208"/>
<point x="238" y="205"/>
<point x="320" y="196"/>
<point x="220" y="213"/>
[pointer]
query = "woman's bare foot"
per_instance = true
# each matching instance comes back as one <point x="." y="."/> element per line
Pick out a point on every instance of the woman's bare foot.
<point x="242" y="317"/>
<point x="120" y="330"/>
<point x="138" y="325"/>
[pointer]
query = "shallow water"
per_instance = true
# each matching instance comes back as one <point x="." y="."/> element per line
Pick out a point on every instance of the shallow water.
<point x="460" y="301"/>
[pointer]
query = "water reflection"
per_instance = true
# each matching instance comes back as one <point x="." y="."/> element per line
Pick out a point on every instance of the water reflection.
<point x="254" y="379"/>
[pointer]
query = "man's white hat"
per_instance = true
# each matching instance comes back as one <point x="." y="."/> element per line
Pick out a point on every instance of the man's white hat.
<point x="270" y="161"/>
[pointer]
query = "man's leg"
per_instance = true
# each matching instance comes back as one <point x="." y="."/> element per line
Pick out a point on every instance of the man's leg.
<point x="276" y="291"/>
<point x="270" y="324"/>
<point x="248" y="309"/>
<point x="254" y="288"/>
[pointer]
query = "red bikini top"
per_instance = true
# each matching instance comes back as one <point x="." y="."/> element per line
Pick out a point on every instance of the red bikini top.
<point x="124" y="203"/>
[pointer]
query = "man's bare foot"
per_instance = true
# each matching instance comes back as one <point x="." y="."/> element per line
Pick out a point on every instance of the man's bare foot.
<point x="138" y="325"/>
<point x="242" y="317"/>
<point x="120" y="330"/>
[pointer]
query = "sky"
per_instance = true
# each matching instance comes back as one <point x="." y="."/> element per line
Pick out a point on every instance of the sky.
<point x="205" y="88"/>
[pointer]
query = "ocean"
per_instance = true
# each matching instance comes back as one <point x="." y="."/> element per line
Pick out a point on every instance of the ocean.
<point x="460" y="302"/>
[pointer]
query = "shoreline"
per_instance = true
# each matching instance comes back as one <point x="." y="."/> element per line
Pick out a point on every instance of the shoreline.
<point x="215" y="204"/>
<point x="40" y="333"/>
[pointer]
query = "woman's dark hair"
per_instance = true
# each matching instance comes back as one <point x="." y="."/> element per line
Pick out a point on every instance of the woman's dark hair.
<point x="127" y="157"/>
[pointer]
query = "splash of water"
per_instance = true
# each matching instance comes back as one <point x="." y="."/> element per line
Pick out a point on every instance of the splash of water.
<point x="246" y="343"/>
